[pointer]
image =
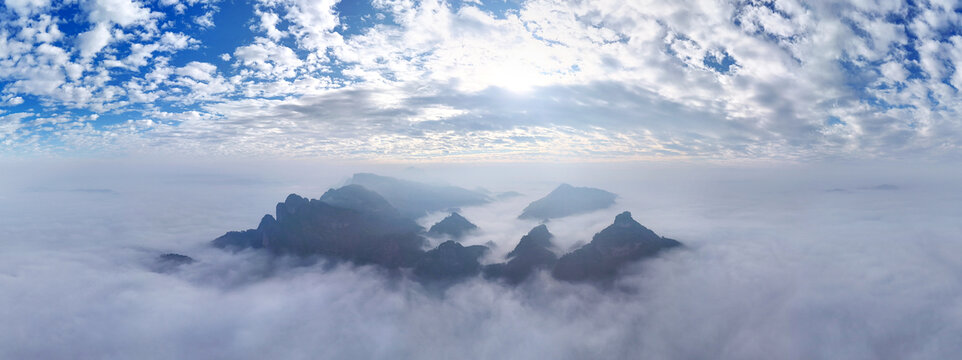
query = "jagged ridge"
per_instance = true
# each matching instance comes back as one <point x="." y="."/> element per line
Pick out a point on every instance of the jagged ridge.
<point x="453" y="225"/>
<point x="566" y="200"/>
<point x="622" y="242"/>
<point x="355" y="224"/>
<point x="532" y="253"/>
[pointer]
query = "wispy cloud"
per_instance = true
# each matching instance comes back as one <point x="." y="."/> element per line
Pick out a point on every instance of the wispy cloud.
<point x="786" y="79"/>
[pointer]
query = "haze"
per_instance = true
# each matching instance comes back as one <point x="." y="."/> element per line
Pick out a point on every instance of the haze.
<point x="800" y="261"/>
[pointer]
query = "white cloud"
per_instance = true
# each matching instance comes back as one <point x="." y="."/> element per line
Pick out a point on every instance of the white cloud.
<point x="171" y="41"/>
<point x="766" y="77"/>
<point x="313" y="22"/>
<point x="121" y="12"/>
<point x="268" y="24"/>
<point x="266" y="59"/>
<point x="26" y="7"/>
<point x="94" y="40"/>
<point x="894" y="71"/>
<point x="776" y="266"/>
<point x="206" y="20"/>
<point x="52" y="54"/>
<point x="10" y="125"/>
<point x="139" y="54"/>
<point x="197" y="70"/>
<point x="42" y="29"/>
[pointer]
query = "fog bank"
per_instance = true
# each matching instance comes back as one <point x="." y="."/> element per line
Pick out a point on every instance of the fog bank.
<point x="782" y="261"/>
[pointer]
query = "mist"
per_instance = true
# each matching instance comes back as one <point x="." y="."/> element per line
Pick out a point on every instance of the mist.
<point x="784" y="261"/>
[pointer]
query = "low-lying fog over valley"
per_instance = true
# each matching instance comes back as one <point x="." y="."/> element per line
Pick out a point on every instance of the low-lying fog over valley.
<point x="802" y="261"/>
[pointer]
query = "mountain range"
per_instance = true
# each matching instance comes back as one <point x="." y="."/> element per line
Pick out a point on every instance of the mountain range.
<point x="356" y="224"/>
<point x="567" y="200"/>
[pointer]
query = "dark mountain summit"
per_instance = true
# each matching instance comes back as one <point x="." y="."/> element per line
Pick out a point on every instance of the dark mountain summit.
<point x="568" y="200"/>
<point x="531" y="254"/>
<point x="414" y="199"/>
<point x="375" y="235"/>
<point x="453" y="225"/>
<point x="356" y="197"/>
<point x="355" y="224"/>
<point x="537" y="238"/>
<point x="239" y="240"/>
<point x="449" y="261"/>
<point x="622" y="242"/>
<point x="170" y="262"/>
<point x="174" y="258"/>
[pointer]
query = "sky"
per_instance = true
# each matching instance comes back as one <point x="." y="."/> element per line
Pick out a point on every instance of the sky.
<point x="399" y="80"/>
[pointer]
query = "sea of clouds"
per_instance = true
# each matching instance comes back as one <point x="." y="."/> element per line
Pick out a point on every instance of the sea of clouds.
<point x="833" y="261"/>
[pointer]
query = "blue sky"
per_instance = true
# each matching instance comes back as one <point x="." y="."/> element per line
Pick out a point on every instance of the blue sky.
<point x="481" y="80"/>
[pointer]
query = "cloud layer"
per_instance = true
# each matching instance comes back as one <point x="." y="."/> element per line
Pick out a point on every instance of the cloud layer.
<point x="540" y="78"/>
<point x="796" y="263"/>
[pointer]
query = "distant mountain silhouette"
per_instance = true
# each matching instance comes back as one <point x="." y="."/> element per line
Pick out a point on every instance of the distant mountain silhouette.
<point x="239" y="240"/>
<point x="414" y="199"/>
<point x="622" y="242"/>
<point x="568" y="200"/>
<point x="314" y="227"/>
<point x="356" y="197"/>
<point x="355" y="224"/>
<point x="533" y="252"/>
<point x="170" y="262"/>
<point x="882" y="187"/>
<point x="453" y="225"/>
<point x="508" y="195"/>
<point x="449" y="261"/>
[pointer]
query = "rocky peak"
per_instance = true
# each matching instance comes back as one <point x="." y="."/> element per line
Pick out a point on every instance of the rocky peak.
<point x="568" y="200"/>
<point x="538" y="237"/>
<point x="622" y="242"/>
<point x="531" y="254"/>
<point x="357" y="197"/>
<point x="290" y="205"/>
<point x="624" y="219"/>
<point x="449" y="261"/>
<point x="454" y="225"/>
<point x="414" y="199"/>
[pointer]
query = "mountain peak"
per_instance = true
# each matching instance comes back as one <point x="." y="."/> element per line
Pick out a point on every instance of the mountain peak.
<point x="454" y="216"/>
<point x="620" y="243"/>
<point x="290" y="205"/>
<point x="541" y="234"/>
<point x="359" y="198"/>
<point x="568" y="200"/>
<point x="624" y="219"/>
<point x="538" y="237"/>
<point x="294" y="199"/>
<point x="414" y="199"/>
<point x="531" y="253"/>
<point x="454" y="225"/>
<point x="449" y="261"/>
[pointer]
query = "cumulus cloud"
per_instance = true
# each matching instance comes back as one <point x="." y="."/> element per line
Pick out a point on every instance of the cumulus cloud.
<point x="26" y="7"/>
<point x="197" y="70"/>
<point x="776" y="265"/>
<point x="267" y="59"/>
<point x="780" y="80"/>
<point x="120" y="12"/>
<point x="95" y="39"/>
<point x="206" y="20"/>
